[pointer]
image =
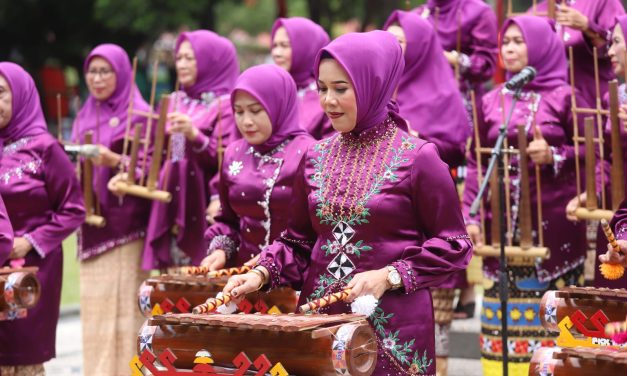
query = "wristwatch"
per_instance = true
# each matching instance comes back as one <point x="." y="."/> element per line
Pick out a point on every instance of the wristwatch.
<point x="394" y="278"/>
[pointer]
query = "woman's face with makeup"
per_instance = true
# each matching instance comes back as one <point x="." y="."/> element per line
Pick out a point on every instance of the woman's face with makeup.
<point x="337" y="95"/>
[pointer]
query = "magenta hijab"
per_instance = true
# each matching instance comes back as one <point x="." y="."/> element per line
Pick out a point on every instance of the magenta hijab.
<point x="374" y="63"/>
<point x="428" y="88"/>
<point x="306" y="39"/>
<point x="27" y="119"/>
<point x="545" y="51"/>
<point x="449" y="16"/>
<point x="622" y="21"/>
<point x="275" y="89"/>
<point x="216" y="61"/>
<point x="108" y="119"/>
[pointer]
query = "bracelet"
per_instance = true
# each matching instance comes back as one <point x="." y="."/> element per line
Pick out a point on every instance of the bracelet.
<point x="261" y="275"/>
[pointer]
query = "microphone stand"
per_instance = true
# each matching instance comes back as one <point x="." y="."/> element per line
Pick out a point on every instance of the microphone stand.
<point x="497" y="160"/>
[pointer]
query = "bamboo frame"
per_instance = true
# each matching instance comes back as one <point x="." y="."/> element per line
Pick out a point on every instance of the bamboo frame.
<point x="144" y="188"/>
<point x="526" y="253"/>
<point x="92" y="207"/>
<point x="593" y="210"/>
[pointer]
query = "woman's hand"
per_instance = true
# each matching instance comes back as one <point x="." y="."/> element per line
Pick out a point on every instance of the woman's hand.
<point x="212" y="211"/>
<point x="539" y="150"/>
<point x="112" y="185"/>
<point x="571" y="17"/>
<point x="474" y="231"/>
<point x="21" y="247"/>
<point x="182" y="123"/>
<point x="374" y="282"/>
<point x="574" y="204"/>
<point x="240" y="285"/>
<point x="106" y="157"/>
<point x="215" y="261"/>
<point x="451" y="57"/>
<point x="612" y="257"/>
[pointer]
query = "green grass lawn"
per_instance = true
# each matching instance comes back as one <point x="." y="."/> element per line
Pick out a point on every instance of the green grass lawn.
<point x="70" y="291"/>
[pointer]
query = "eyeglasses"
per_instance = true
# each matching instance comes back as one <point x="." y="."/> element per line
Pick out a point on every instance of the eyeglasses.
<point x="103" y="73"/>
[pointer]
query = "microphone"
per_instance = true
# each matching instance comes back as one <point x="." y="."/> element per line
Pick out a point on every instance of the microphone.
<point x="87" y="150"/>
<point x="521" y="79"/>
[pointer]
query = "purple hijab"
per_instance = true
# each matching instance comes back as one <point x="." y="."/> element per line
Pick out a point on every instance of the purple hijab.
<point x="428" y="88"/>
<point x="545" y="51"/>
<point x="28" y="118"/>
<point x="275" y="89"/>
<point x="622" y="21"/>
<point x="448" y="13"/>
<point x="306" y="39"/>
<point x="216" y="62"/>
<point x="374" y="63"/>
<point x="107" y="119"/>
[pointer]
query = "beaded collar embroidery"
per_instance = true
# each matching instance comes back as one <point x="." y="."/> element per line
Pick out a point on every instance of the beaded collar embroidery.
<point x="357" y="157"/>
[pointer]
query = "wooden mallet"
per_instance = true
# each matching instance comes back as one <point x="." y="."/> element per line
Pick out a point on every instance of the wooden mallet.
<point x="325" y="301"/>
<point x="212" y="303"/>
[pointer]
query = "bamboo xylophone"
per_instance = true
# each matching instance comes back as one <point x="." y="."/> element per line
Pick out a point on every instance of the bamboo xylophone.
<point x="295" y="344"/>
<point x="578" y="362"/>
<point x="580" y="314"/>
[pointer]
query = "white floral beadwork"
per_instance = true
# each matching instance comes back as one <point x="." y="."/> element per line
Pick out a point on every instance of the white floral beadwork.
<point x="268" y="183"/>
<point x="18" y="172"/>
<point x="15" y="146"/>
<point x="235" y="168"/>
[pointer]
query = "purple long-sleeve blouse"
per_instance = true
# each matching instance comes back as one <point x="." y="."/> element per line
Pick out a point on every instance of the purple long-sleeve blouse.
<point x="601" y="16"/>
<point x="188" y="171"/>
<point x="478" y="37"/>
<point x="6" y="234"/>
<point x="398" y="207"/>
<point x="45" y="204"/>
<point x="553" y="116"/>
<point x="255" y="193"/>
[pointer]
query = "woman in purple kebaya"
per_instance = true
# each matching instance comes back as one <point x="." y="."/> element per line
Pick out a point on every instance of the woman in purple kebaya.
<point x="582" y="25"/>
<point x="6" y="233"/>
<point x="295" y="44"/>
<point x="616" y="53"/>
<point x="426" y="91"/>
<point x="546" y="103"/>
<point x="258" y="172"/>
<point x="346" y="229"/>
<point x="467" y="31"/>
<point x="44" y="203"/>
<point x="110" y="256"/>
<point x="200" y="125"/>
